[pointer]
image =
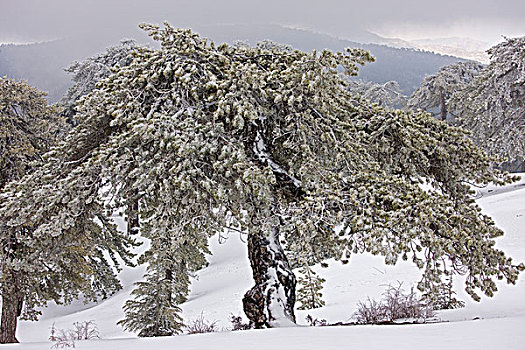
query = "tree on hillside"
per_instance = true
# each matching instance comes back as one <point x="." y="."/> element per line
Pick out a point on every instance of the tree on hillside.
<point x="492" y="105"/>
<point x="86" y="74"/>
<point x="271" y="143"/>
<point x="43" y="256"/>
<point x="387" y="95"/>
<point x="436" y="90"/>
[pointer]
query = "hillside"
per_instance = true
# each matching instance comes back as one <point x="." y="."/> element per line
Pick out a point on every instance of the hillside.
<point x="494" y="323"/>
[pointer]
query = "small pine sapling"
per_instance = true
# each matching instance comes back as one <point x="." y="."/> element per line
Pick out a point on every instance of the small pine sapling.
<point x="309" y="291"/>
<point x="442" y="296"/>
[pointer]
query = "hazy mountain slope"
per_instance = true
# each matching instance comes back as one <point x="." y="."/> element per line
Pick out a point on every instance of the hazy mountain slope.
<point x="406" y="66"/>
<point x="42" y="64"/>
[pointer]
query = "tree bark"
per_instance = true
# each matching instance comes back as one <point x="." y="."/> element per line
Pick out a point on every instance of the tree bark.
<point x="443" y="105"/>
<point x="133" y="216"/>
<point x="270" y="303"/>
<point x="11" y="309"/>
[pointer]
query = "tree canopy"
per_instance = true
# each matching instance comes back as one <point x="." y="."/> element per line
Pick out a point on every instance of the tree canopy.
<point x="86" y="73"/>
<point x="28" y="127"/>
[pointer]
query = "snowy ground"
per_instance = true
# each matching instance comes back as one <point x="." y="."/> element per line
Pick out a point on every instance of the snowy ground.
<point x="495" y="323"/>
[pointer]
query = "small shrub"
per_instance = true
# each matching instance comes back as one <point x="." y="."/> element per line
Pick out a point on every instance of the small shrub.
<point x="370" y="312"/>
<point x="314" y="322"/>
<point x="238" y="325"/>
<point x="395" y="305"/>
<point x="62" y="338"/>
<point x="201" y="325"/>
<point x="66" y="338"/>
<point x="85" y="330"/>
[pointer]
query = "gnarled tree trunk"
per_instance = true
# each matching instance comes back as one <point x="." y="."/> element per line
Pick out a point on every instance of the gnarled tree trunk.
<point x="11" y="309"/>
<point x="270" y="303"/>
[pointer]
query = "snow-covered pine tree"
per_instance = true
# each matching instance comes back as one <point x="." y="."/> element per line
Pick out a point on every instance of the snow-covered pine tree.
<point x="387" y="95"/>
<point x="28" y="127"/>
<point x="85" y="75"/>
<point x="436" y="90"/>
<point x="492" y="106"/>
<point x="309" y="291"/>
<point x="53" y="243"/>
<point x="272" y="143"/>
<point x="442" y="296"/>
<point x="154" y="311"/>
<point x="170" y="260"/>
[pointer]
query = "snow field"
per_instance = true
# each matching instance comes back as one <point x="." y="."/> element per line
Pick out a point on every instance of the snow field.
<point x="217" y="290"/>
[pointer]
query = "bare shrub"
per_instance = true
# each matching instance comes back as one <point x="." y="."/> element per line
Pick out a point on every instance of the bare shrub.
<point x="85" y="330"/>
<point x="201" y="325"/>
<point x="66" y="338"/>
<point x="238" y="324"/>
<point x="370" y="312"/>
<point x="62" y="338"/>
<point x="395" y="305"/>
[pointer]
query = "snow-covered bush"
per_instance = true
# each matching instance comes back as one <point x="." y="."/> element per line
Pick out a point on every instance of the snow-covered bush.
<point x="201" y="325"/>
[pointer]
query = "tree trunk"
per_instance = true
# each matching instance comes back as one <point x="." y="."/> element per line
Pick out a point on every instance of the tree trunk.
<point x="133" y="216"/>
<point x="443" y="104"/>
<point x="11" y="309"/>
<point x="270" y="303"/>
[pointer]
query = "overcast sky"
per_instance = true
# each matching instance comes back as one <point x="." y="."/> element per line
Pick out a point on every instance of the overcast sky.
<point x="486" y="20"/>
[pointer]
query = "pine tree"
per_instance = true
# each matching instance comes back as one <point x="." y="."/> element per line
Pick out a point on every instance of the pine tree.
<point x="271" y="142"/>
<point x="50" y="250"/>
<point x="309" y="292"/>
<point x="28" y="127"/>
<point x="154" y="310"/>
<point x="492" y="106"/>
<point x="387" y="95"/>
<point x="436" y="90"/>
<point x="441" y="296"/>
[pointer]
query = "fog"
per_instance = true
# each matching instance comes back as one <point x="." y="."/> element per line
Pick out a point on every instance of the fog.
<point x="39" y="20"/>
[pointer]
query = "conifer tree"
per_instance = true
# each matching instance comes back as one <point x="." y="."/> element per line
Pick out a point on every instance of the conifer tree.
<point x="492" y="105"/>
<point x="271" y="142"/>
<point x="28" y="127"/>
<point x="53" y="243"/>
<point x="436" y="90"/>
<point x="387" y="95"/>
<point x="309" y="291"/>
